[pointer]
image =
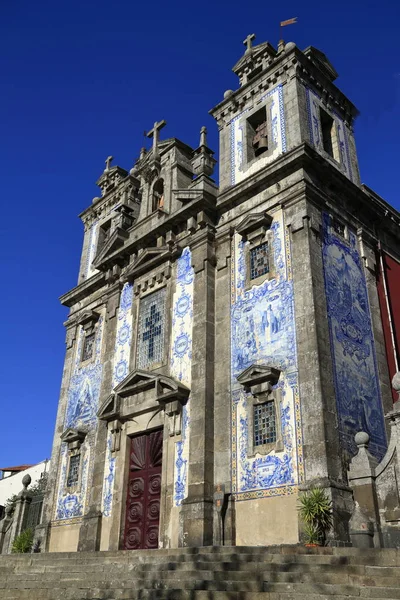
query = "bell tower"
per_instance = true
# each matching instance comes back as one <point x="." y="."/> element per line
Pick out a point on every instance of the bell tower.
<point x="297" y="217"/>
<point x="286" y="97"/>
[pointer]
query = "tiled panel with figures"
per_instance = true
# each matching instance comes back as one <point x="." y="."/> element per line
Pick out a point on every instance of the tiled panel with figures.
<point x="356" y="377"/>
<point x="276" y="118"/>
<point x="181" y="362"/>
<point x="121" y="367"/>
<point x="82" y="406"/>
<point x="263" y="332"/>
<point x="151" y="330"/>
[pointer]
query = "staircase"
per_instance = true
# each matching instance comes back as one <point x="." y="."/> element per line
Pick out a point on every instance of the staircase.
<point x="210" y="573"/>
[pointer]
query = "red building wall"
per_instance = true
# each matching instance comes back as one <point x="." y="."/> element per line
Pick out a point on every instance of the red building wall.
<point x="390" y="309"/>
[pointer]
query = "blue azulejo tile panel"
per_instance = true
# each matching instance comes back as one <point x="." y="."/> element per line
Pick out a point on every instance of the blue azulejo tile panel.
<point x="123" y="339"/>
<point x="121" y="367"/>
<point x="314" y="123"/>
<point x="181" y="361"/>
<point x="71" y="504"/>
<point x="108" y="486"/>
<point x="276" y="118"/>
<point x="151" y="330"/>
<point x="82" y="406"/>
<point x="263" y="332"/>
<point x="84" y="387"/>
<point x="356" y="377"/>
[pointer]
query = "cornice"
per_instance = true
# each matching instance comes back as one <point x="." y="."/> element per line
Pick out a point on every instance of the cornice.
<point x="83" y="290"/>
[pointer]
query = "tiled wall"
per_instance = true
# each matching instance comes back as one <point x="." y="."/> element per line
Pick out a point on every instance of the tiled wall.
<point x="358" y="396"/>
<point x="239" y="170"/>
<point x="181" y="362"/>
<point x="82" y="406"/>
<point x="263" y="332"/>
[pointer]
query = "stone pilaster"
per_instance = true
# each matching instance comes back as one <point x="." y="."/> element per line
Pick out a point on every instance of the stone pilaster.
<point x="222" y="391"/>
<point x="196" y="518"/>
<point x="322" y="455"/>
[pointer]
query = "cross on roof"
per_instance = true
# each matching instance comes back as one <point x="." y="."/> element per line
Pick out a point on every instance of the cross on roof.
<point x="108" y="162"/>
<point x="155" y="132"/>
<point x="248" y="41"/>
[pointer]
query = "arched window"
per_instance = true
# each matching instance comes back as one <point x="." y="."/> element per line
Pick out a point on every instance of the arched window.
<point x="158" y="195"/>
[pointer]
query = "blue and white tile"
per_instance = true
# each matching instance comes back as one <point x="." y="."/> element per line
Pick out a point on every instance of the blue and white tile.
<point x="263" y="332"/>
<point x="181" y="361"/>
<point x="277" y="120"/>
<point x="356" y="376"/>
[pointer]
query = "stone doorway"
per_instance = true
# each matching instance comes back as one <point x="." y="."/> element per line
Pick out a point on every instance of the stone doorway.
<point x="144" y="490"/>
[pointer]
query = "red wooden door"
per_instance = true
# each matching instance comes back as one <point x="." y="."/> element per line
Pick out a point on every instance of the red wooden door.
<point x="144" y="490"/>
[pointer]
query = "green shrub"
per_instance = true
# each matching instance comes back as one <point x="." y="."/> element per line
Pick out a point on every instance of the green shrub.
<point x="23" y="542"/>
<point x="315" y="509"/>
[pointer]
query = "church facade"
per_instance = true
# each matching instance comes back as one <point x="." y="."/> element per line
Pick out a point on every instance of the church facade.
<point x="226" y="342"/>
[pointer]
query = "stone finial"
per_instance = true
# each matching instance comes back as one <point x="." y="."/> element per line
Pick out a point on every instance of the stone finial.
<point x="396" y="384"/>
<point x="203" y="136"/>
<point x="362" y="439"/>
<point x="143" y="153"/>
<point x="248" y="42"/>
<point x="26" y="480"/>
<point x="281" y="46"/>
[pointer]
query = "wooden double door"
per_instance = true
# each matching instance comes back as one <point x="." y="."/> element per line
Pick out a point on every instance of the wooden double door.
<point x="142" y="519"/>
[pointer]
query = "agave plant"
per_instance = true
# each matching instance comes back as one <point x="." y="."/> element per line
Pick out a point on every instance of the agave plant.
<point x="23" y="542"/>
<point x="315" y="511"/>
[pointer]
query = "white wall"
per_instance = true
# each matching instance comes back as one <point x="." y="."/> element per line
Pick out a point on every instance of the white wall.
<point x="13" y="485"/>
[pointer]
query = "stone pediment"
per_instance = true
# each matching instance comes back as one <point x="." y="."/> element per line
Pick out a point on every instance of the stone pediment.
<point x="106" y="256"/>
<point x="71" y="435"/>
<point x="154" y="392"/>
<point x="110" y="408"/>
<point x="254" y="223"/>
<point x="139" y="381"/>
<point x="148" y="259"/>
<point x="257" y="52"/>
<point x="258" y="374"/>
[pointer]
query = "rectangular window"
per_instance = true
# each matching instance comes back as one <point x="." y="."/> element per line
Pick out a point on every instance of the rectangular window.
<point x="73" y="472"/>
<point x="104" y="234"/>
<point x="259" y="261"/>
<point x="264" y="423"/>
<point x="337" y="227"/>
<point x="151" y="329"/>
<point x="329" y="134"/>
<point x="88" y="347"/>
<point x="257" y="134"/>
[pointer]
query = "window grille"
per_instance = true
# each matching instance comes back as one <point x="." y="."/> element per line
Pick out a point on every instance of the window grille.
<point x="259" y="261"/>
<point x="88" y="346"/>
<point x="264" y="423"/>
<point x="73" y="473"/>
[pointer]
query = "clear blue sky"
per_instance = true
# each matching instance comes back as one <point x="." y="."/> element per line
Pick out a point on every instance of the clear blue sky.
<point x="82" y="80"/>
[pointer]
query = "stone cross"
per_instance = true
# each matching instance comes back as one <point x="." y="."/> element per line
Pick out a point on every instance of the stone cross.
<point x="155" y="132"/>
<point x="108" y="162"/>
<point x="248" y="41"/>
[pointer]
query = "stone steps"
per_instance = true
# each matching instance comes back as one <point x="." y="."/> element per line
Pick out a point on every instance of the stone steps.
<point x="278" y="573"/>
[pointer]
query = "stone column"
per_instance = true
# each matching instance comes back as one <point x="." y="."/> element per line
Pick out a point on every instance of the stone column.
<point x="22" y="504"/>
<point x="90" y="531"/>
<point x="222" y="391"/>
<point x="196" y="517"/>
<point x="365" y="518"/>
<point x="42" y="532"/>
